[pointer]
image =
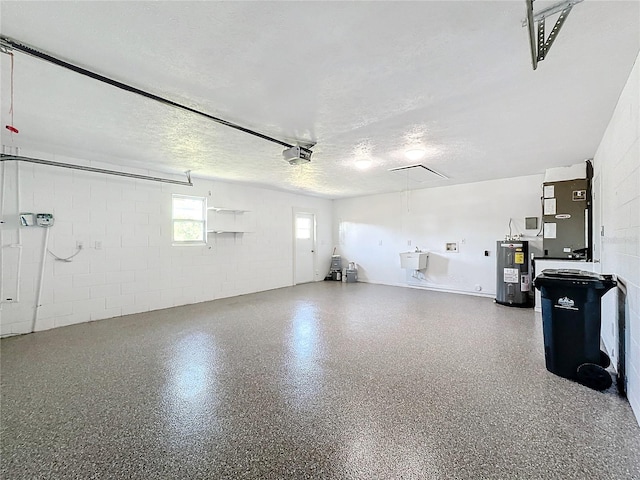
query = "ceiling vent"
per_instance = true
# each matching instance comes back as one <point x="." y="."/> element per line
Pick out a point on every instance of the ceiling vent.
<point x="418" y="173"/>
<point x="297" y="155"/>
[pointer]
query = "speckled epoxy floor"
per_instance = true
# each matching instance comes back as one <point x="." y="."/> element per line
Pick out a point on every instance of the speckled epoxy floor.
<point x="325" y="380"/>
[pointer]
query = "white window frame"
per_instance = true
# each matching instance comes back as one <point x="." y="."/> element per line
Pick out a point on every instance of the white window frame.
<point x="203" y="221"/>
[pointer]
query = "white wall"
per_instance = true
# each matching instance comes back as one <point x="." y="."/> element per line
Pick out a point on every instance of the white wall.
<point x="137" y="269"/>
<point x="373" y="230"/>
<point x="617" y="170"/>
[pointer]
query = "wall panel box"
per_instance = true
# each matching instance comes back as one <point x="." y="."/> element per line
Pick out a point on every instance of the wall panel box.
<point x="531" y="223"/>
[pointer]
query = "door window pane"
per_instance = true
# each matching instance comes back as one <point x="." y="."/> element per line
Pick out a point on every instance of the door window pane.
<point x="303" y="228"/>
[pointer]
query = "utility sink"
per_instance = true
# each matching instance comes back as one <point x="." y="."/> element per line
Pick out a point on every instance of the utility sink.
<point x="414" y="260"/>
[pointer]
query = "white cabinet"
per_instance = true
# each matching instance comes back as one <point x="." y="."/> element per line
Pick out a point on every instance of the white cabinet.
<point x="227" y="220"/>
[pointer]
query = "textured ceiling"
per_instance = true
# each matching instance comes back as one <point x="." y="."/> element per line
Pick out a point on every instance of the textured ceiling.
<point x="360" y="79"/>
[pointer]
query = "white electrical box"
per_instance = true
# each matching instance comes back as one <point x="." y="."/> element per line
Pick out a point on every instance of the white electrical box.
<point x="27" y="219"/>
<point x="451" y="247"/>
<point x="44" y="219"/>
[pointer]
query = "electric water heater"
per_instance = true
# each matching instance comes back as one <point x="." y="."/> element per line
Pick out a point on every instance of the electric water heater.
<point x="514" y="280"/>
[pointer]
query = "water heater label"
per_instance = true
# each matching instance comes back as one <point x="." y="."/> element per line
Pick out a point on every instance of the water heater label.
<point x="519" y="258"/>
<point x="511" y="275"/>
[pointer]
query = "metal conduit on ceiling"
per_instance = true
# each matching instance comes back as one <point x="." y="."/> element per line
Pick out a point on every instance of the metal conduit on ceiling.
<point x="9" y="44"/>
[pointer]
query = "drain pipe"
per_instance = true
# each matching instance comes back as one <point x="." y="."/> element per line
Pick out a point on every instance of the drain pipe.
<point x="19" y="227"/>
<point x="39" y="297"/>
<point x="2" y="190"/>
<point x="18" y="245"/>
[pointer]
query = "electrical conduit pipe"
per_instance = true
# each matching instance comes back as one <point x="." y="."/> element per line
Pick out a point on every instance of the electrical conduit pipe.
<point x="39" y="297"/>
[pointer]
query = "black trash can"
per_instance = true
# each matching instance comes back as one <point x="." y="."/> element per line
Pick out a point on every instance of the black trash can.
<point x="571" y="325"/>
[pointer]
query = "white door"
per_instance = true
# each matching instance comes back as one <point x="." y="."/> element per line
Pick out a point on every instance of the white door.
<point x="305" y="237"/>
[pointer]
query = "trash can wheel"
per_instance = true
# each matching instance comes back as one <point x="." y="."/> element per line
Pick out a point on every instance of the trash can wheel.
<point x="605" y="361"/>
<point x="594" y="376"/>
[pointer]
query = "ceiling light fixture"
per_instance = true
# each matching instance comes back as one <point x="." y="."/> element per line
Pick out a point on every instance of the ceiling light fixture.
<point x="415" y="154"/>
<point x="363" y="163"/>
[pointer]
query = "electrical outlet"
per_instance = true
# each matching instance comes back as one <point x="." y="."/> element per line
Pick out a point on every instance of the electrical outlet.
<point x="380" y="243"/>
<point x="451" y="247"/>
<point x="408" y="243"/>
<point x="98" y="245"/>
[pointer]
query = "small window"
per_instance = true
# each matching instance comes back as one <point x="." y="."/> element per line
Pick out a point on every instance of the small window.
<point x="189" y="225"/>
<point x="303" y="228"/>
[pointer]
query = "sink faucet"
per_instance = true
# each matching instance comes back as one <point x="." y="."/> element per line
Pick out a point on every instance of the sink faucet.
<point x="417" y="250"/>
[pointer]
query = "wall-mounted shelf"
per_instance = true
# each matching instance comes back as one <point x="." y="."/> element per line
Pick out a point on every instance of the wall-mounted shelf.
<point x="227" y="210"/>
<point x="225" y="220"/>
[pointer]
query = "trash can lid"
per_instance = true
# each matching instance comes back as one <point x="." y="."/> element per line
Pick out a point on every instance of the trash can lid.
<point x="569" y="273"/>
<point x="575" y="277"/>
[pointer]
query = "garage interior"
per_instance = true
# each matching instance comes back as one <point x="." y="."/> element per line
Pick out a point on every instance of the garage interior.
<point x="179" y="177"/>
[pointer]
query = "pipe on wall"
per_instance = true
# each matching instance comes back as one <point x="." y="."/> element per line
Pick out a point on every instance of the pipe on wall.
<point x="42" y="269"/>
<point x="2" y="190"/>
<point x="19" y="245"/>
<point x="18" y="158"/>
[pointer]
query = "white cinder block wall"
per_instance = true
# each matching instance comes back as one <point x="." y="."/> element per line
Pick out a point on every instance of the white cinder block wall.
<point x="137" y="269"/>
<point x="617" y="168"/>
<point x="373" y="230"/>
